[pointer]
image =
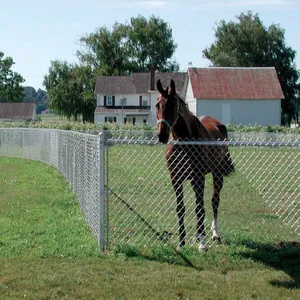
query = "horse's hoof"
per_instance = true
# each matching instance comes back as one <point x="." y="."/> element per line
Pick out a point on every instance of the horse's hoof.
<point x="202" y="248"/>
<point x="216" y="239"/>
<point x="202" y="244"/>
<point x="179" y="246"/>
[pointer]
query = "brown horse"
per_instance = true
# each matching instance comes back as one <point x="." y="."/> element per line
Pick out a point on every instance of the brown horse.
<point x="192" y="162"/>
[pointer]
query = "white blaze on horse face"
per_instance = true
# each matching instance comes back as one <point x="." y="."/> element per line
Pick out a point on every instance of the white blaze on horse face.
<point x="160" y="105"/>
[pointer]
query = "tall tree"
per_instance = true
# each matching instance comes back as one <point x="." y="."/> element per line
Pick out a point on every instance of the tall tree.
<point x="62" y="88"/>
<point x="10" y="81"/>
<point x="70" y="90"/>
<point x="248" y="43"/>
<point x="130" y="47"/>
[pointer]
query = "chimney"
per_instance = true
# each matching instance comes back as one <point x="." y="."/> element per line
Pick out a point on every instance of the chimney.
<point x="152" y="75"/>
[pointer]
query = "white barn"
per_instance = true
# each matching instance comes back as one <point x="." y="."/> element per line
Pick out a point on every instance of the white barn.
<point x="235" y="95"/>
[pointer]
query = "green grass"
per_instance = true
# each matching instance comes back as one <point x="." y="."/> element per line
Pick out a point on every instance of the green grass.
<point x="47" y="252"/>
<point x="142" y="203"/>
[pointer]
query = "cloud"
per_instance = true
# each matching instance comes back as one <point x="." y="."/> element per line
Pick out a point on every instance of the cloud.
<point x="152" y="3"/>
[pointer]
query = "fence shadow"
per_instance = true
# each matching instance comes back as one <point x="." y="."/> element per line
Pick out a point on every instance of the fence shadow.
<point x="282" y="256"/>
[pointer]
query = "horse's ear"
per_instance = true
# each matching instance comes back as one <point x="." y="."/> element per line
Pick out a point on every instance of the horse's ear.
<point x="172" y="86"/>
<point x="161" y="90"/>
<point x="159" y="86"/>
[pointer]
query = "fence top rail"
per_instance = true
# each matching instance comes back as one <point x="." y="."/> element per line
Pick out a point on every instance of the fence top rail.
<point x="78" y="133"/>
<point x="207" y="143"/>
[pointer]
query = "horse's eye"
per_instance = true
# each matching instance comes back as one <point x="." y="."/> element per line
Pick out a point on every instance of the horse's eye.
<point x="157" y="105"/>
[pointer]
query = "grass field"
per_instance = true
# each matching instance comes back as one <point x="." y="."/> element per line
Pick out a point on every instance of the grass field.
<point x="139" y="179"/>
<point x="47" y="251"/>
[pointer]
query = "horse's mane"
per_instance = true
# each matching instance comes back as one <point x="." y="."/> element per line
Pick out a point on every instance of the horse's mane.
<point x="183" y="107"/>
<point x="194" y="125"/>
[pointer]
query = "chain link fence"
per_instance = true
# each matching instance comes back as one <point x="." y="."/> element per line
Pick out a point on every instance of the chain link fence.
<point x="76" y="155"/>
<point x="123" y="185"/>
<point x="260" y="201"/>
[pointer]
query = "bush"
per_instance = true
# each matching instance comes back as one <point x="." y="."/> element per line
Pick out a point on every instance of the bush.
<point x="79" y="126"/>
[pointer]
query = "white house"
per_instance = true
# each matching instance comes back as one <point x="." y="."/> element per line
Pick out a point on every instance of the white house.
<point x="235" y="95"/>
<point x="132" y="98"/>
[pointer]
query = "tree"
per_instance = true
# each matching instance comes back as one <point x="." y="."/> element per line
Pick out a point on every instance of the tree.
<point x="29" y="94"/>
<point x="39" y="97"/>
<point x="10" y="82"/>
<point x="70" y="89"/>
<point x="131" y="47"/>
<point x="248" y="43"/>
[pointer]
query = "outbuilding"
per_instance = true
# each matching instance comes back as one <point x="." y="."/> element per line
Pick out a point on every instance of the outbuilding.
<point x="236" y="95"/>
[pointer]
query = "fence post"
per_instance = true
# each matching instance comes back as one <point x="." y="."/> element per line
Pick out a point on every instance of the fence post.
<point x="101" y="191"/>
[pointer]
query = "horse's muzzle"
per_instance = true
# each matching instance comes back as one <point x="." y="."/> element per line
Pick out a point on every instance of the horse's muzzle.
<point x="163" y="138"/>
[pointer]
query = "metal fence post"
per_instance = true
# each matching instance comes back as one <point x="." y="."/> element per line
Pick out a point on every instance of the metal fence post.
<point x="101" y="191"/>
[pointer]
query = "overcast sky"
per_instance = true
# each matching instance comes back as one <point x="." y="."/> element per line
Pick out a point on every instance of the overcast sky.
<point x="34" y="32"/>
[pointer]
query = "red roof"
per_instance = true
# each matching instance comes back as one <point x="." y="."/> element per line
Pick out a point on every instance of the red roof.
<point x="235" y="83"/>
<point x="17" y="111"/>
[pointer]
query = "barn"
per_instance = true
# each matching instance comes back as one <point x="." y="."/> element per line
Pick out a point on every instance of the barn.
<point x="235" y="95"/>
<point x="17" y="112"/>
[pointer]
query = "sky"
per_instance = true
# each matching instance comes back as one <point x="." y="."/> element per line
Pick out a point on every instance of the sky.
<point x="35" y="32"/>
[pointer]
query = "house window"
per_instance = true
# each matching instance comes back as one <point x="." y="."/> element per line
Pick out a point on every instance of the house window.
<point x="144" y="100"/>
<point x="110" y="119"/>
<point x="131" y="120"/>
<point x="109" y="100"/>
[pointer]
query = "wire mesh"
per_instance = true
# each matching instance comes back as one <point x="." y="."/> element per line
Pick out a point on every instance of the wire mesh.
<point x="75" y="155"/>
<point x="260" y="200"/>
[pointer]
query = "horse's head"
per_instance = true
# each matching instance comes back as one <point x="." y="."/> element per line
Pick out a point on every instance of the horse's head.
<point x="166" y="111"/>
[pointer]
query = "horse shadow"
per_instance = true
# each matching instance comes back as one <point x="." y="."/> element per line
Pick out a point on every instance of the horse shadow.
<point x="281" y="256"/>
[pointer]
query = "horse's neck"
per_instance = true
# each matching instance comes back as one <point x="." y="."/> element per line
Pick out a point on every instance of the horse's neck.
<point x="190" y="129"/>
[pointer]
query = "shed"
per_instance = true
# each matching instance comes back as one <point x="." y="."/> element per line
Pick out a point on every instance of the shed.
<point x="17" y="111"/>
<point x="236" y="95"/>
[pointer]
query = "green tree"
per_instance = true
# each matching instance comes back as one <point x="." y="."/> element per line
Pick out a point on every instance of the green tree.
<point x="130" y="47"/>
<point x="70" y="90"/>
<point x="29" y="94"/>
<point x="248" y="43"/>
<point x="62" y="88"/>
<point x="10" y="81"/>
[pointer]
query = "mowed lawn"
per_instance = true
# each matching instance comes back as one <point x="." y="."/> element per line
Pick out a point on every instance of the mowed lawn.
<point x="48" y="252"/>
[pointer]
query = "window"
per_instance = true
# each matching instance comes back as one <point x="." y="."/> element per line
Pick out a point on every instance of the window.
<point x="110" y="119"/>
<point x="144" y="100"/>
<point x="109" y="101"/>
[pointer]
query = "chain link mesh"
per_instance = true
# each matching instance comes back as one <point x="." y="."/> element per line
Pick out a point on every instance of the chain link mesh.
<point x="260" y="200"/>
<point x="75" y="155"/>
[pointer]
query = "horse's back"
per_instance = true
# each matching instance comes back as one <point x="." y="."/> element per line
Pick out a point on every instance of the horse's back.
<point x="215" y="129"/>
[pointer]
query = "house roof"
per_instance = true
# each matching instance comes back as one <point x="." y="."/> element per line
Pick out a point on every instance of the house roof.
<point x="137" y="83"/>
<point x="235" y="83"/>
<point x="17" y="111"/>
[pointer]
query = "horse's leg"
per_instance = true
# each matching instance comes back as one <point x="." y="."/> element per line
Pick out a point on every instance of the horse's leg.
<point x="218" y="180"/>
<point x="198" y="186"/>
<point x="180" y="208"/>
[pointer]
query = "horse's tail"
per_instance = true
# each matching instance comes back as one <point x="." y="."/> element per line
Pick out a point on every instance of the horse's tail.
<point x="227" y="165"/>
